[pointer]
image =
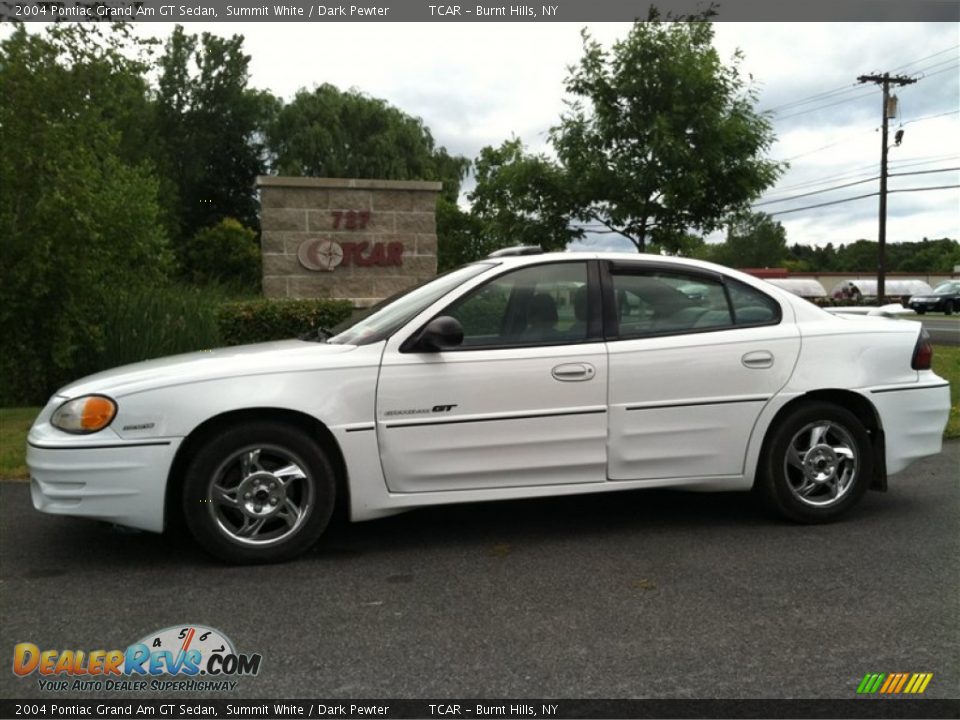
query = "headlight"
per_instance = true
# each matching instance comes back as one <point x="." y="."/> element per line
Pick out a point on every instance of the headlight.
<point x="86" y="414"/>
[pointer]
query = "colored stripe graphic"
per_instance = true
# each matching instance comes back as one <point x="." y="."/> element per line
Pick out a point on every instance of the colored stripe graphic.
<point x="903" y="679"/>
<point x="894" y="683"/>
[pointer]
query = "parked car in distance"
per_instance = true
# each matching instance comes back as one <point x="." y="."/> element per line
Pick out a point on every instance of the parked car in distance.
<point x="944" y="298"/>
<point x="514" y="377"/>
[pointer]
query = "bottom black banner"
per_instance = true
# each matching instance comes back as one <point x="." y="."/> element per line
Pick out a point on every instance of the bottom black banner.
<point x="483" y="709"/>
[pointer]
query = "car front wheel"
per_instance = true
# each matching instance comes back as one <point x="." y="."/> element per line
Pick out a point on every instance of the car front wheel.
<point x="817" y="463"/>
<point x="948" y="307"/>
<point x="259" y="492"/>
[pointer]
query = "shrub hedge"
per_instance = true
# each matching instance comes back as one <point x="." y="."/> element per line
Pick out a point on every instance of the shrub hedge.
<point x="253" y="321"/>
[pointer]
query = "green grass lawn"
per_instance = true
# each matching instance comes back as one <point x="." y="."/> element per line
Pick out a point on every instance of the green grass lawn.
<point x="946" y="363"/>
<point x="15" y="422"/>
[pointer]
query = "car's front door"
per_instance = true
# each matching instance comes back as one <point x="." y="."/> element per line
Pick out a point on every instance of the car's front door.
<point x="694" y="357"/>
<point x="522" y="401"/>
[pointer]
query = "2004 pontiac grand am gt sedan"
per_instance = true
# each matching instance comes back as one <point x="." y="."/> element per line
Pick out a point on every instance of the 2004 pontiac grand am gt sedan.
<point x="523" y="375"/>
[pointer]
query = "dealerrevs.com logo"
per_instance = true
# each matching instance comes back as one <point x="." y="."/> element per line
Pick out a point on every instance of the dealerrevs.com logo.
<point x="182" y="657"/>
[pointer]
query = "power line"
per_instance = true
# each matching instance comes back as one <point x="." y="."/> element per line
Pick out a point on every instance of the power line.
<point x="930" y="117"/>
<point x="924" y="172"/>
<point x="860" y="197"/>
<point x="853" y="173"/>
<point x="814" y="98"/>
<point x="914" y="62"/>
<point x="846" y="89"/>
<point x="951" y="61"/>
<point x="823" y="107"/>
<point x="934" y="187"/>
<point x="820" y="205"/>
<point x="825" y="147"/>
<point x="855" y="135"/>
<point x="922" y="160"/>
<point x="816" y="192"/>
<point x="939" y="72"/>
<point x="851" y="184"/>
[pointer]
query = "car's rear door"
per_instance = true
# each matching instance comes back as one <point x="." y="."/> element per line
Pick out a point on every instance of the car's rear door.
<point x="694" y="356"/>
<point x="522" y="402"/>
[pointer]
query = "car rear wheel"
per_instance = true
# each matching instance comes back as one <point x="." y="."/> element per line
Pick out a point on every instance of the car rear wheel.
<point x="259" y="492"/>
<point x="817" y="463"/>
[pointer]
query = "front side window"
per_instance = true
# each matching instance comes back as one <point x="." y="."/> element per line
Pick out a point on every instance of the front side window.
<point x="388" y="316"/>
<point x="538" y="305"/>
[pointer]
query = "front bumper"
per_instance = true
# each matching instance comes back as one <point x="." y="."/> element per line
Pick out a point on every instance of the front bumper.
<point x="116" y="481"/>
<point x="926" y="305"/>
<point x="913" y="419"/>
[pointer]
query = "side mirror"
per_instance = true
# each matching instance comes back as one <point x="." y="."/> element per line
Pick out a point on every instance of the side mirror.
<point x="441" y="332"/>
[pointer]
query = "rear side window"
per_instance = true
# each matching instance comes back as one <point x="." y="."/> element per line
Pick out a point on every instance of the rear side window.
<point x="668" y="303"/>
<point x="752" y="307"/>
<point x="662" y="303"/>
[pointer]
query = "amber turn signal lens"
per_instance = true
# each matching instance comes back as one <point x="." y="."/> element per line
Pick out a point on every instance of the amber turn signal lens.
<point x="86" y="414"/>
<point x="97" y="413"/>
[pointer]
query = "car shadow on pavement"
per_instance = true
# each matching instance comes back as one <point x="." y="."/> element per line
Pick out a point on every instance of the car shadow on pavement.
<point x="56" y="544"/>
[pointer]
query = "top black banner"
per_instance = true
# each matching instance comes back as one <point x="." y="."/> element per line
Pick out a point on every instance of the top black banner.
<point x="406" y="11"/>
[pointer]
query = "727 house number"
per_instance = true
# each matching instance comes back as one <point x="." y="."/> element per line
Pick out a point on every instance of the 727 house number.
<point x="350" y="219"/>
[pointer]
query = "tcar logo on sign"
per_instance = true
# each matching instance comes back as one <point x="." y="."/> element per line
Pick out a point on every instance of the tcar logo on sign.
<point x="894" y="683"/>
<point x="327" y="254"/>
<point x="181" y="650"/>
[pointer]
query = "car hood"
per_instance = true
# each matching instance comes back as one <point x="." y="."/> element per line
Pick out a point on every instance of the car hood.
<point x="259" y="359"/>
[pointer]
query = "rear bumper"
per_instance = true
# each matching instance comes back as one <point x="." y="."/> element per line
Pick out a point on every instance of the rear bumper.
<point x="913" y="420"/>
<point x="119" y="482"/>
<point x="930" y="305"/>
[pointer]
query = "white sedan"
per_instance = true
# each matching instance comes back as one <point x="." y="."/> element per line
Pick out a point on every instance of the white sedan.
<point x="524" y="375"/>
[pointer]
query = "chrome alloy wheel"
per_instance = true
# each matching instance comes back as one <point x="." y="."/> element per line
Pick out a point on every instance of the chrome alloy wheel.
<point x="260" y="496"/>
<point x="821" y="464"/>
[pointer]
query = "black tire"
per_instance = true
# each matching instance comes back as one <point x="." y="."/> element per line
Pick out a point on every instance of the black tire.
<point x="258" y="492"/>
<point x="781" y="483"/>
<point x="948" y="307"/>
<point x="921" y="310"/>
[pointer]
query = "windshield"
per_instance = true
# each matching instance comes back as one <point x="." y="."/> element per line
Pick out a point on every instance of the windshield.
<point x="947" y="288"/>
<point x="386" y="317"/>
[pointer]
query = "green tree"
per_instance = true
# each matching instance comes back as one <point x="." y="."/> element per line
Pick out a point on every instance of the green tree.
<point x="327" y="132"/>
<point x="461" y="237"/>
<point x="754" y="240"/>
<point x="522" y="199"/>
<point x="77" y="221"/>
<point x="210" y="133"/>
<point x="227" y="254"/>
<point x="661" y="136"/>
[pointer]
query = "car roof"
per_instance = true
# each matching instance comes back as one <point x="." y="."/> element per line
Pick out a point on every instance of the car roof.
<point x="534" y="259"/>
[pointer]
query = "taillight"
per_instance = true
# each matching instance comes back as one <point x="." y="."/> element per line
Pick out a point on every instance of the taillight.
<point x="922" y="353"/>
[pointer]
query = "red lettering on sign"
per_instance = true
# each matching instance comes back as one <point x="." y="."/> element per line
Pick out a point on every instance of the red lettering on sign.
<point x="394" y="253"/>
<point x="350" y="252"/>
<point x="377" y="256"/>
<point x="380" y="254"/>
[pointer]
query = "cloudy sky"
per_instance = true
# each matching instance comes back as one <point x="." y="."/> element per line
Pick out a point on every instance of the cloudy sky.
<point x="476" y="84"/>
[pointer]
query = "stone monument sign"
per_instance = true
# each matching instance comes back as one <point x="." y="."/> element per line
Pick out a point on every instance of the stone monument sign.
<point x="360" y="240"/>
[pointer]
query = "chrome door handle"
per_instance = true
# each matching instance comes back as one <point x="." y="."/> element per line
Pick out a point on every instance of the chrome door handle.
<point x="573" y="372"/>
<point x="757" y="360"/>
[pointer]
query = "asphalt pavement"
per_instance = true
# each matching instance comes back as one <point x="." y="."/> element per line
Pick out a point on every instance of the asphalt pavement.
<point x="625" y="595"/>
<point x="943" y="330"/>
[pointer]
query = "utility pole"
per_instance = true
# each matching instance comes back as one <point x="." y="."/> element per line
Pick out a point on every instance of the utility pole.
<point x="886" y="81"/>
